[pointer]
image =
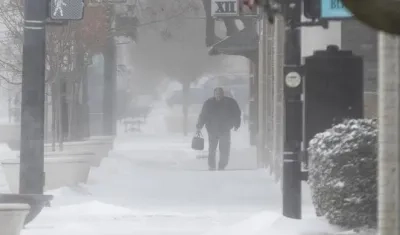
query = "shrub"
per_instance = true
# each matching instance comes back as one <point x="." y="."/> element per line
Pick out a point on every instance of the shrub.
<point x="343" y="172"/>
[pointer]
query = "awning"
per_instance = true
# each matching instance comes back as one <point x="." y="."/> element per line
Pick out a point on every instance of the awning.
<point x="244" y="43"/>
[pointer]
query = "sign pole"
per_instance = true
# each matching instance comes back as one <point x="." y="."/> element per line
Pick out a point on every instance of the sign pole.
<point x="32" y="176"/>
<point x="262" y="67"/>
<point x="278" y="131"/>
<point x="293" y="113"/>
<point x="33" y="97"/>
<point x="66" y="9"/>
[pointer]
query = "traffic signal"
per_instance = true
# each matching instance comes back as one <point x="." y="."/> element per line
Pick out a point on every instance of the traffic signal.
<point x="312" y="9"/>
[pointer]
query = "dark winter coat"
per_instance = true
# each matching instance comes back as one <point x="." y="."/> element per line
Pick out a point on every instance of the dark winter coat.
<point x="219" y="116"/>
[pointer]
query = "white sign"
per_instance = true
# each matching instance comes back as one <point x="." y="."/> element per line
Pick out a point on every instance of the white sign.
<point x="293" y="79"/>
<point x="220" y="8"/>
<point x="66" y="9"/>
<point x="59" y="8"/>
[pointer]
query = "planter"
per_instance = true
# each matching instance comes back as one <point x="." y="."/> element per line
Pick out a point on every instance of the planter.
<point x="10" y="133"/>
<point x="107" y="138"/>
<point x="60" y="171"/>
<point x="99" y="147"/>
<point x="35" y="201"/>
<point x="91" y="156"/>
<point x="12" y="217"/>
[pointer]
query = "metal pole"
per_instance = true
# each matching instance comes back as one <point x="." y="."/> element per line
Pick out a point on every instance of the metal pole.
<point x="109" y="123"/>
<point x="278" y="131"/>
<point x="389" y="116"/>
<point x="262" y="66"/>
<point x="293" y="116"/>
<point x="33" y="92"/>
<point x="253" y="106"/>
<point x="269" y="98"/>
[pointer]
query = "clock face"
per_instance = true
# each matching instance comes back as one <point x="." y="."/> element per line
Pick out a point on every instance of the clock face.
<point x="293" y="79"/>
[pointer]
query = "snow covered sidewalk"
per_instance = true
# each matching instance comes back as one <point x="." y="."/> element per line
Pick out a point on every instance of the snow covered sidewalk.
<point x="155" y="185"/>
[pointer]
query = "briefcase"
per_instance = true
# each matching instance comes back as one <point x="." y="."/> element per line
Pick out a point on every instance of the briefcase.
<point x="198" y="141"/>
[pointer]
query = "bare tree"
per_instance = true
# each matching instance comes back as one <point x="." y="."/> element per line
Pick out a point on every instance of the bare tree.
<point x="60" y="57"/>
<point x="59" y="60"/>
<point x="11" y="42"/>
<point x="11" y="54"/>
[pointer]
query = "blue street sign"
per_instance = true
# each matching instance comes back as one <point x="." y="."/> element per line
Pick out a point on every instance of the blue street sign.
<point x="334" y="9"/>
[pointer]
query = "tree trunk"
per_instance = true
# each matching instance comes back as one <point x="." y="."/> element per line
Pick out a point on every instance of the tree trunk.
<point x="185" y="106"/>
<point x="54" y="115"/>
<point x="70" y="92"/>
<point x="62" y="112"/>
<point x="9" y="107"/>
<point x="110" y="70"/>
<point x="79" y="116"/>
<point x="110" y="82"/>
<point x="85" y="104"/>
<point x="73" y="107"/>
<point x="389" y="109"/>
<point x="46" y="114"/>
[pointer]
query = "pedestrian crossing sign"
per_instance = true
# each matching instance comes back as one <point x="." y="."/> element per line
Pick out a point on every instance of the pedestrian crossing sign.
<point x="66" y="9"/>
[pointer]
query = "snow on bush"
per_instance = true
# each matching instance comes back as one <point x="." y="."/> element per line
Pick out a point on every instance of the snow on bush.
<point x="343" y="171"/>
<point x="361" y="231"/>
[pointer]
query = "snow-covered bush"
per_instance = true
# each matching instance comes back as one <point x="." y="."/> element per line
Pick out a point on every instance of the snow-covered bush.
<point x="343" y="172"/>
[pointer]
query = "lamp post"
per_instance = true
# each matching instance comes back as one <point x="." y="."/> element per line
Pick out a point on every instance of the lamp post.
<point x="293" y="112"/>
<point x="33" y="97"/>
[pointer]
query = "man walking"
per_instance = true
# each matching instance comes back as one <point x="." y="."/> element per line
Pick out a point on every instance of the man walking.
<point x="219" y="114"/>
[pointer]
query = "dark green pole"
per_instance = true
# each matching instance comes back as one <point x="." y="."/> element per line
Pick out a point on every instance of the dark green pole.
<point x="293" y="114"/>
<point x="110" y="77"/>
<point x="33" y="97"/>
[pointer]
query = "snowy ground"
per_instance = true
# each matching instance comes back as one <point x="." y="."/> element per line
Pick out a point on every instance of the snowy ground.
<point x="153" y="184"/>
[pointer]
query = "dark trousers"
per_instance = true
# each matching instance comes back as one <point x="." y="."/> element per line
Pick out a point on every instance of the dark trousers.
<point x="224" y="142"/>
